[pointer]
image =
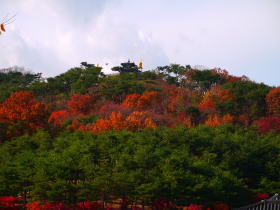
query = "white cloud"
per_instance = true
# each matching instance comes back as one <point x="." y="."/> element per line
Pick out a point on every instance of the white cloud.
<point x="52" y="36"/>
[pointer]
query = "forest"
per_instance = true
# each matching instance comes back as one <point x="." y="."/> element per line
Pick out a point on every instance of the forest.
<point x="174" y="137"/>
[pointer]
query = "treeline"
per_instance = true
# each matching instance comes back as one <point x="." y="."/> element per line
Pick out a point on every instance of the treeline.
<point x="201" y="165"/>
<point x="85" y="99"/>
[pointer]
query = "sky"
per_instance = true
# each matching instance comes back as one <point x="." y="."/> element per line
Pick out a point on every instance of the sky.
<point x="52" y="36"/>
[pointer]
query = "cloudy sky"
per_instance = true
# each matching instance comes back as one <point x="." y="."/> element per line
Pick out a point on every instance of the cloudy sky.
<point x="51" y="36"/>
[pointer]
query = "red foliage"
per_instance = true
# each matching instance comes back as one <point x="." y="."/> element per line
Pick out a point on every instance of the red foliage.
<point x="261" y="196"/>
<point x="149" y="100"/>
<point x="9" y="201"/>
<point x="195" y="207"/>
<point x="163" y="204"/>
<point x="266" y="124"/>
<point x="33" y="206"/>
<point x="77" y="125"/>
<point x="208" y="101"/>
<point x="58" y="117"/>
<point x="80" y="104"/>
<point x="84" y="128"/>
<point x="235" y="78"/>
<point x="243" y="119"/>
<point x="207" y="106"/>
<point x="89" y="205"/>
<point x="165" y="119"/>
<point x="273" y="101"/>
<point x="45" y="206"/>
<point x="109" y="107"/>
<point x="22" y="107"/>
<point x="224" y="95"/>
<point x="221" y="206"/>
<point x="213" y="96"/>
<point x="178" y="100"/>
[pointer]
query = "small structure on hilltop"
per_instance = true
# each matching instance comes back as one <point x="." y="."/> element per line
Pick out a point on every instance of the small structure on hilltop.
<point x="128" y="67"/>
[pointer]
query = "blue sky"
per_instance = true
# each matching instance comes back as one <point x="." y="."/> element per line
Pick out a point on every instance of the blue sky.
<point x="51" y="36"/>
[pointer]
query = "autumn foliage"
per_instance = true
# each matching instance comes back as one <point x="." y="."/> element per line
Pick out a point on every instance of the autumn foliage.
<point x="273" y="101"/>
<point x="45" y="206"/>
<point x="9" y="202"/>
<point x="215" y="120"/>
<point x="114" y="122"/>
<point x="214" y="96"/>
<point x="179" y="98"/>
<point x="131" y="100"/>
<point x="207" y="105"/>
<point x="195" y="207"/>
<point x="266" y="124"/>
<point x="80" y="104"/>
<point x="58" y="117"/>
<point x="138" y="120"/>
<point x="133" y="122"/>
<point x="22" y="113"/>
<point x="149" y="100"/>
<point x="261" y="196"/>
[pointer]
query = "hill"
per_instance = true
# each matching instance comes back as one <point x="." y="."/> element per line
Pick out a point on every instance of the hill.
<point x="172" y="134"/>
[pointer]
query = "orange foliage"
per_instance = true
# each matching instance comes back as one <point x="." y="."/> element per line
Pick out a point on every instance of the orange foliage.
<point x="188" y="121"/>
<point x="22" y="107"/>
<point x="207" y="103"/>
<point x="227" y="119"/>
<point x="101" y="125"/>
<point x="138" y="120"/>
<point x="243" y="119"/>
<point x="207" y="106"/>
<point x="109" y="107"/>
<point x="208" y="95"/>
<point x="178" y="100"/>
<point x="273" y="101"/>
<point x="133" y="122"/>
<point x="225" y="95"/>
<point x="213" y="96"/>
<point x="80" y="104"/>
<point x="114" y="122"/>
<point x="149" y="99"/>
<point x="215" y="120"/>
<point x="77" y="125"/>
<point x="58" y="117"/>
<point x="131" y="100"/>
